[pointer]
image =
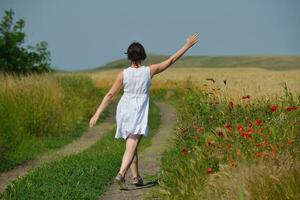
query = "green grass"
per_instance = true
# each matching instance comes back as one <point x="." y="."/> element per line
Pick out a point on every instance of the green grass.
<point x="38" y="113"/>
<point x="81" y="176"/>
<point x="266" y="62"/>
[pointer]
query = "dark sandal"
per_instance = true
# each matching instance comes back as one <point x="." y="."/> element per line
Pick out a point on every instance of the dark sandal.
<point x="120" y="180"/>
<point x="138" y="181"/>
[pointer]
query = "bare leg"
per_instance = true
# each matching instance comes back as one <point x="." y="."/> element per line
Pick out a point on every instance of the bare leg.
<point x="134" y="166"/>
<point x="131" y="145"/>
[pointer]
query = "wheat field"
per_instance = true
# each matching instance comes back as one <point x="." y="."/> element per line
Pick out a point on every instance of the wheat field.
<point x="256" y="82"/>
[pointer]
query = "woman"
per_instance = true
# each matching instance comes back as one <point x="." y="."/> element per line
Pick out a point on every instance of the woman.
<point x="132" y="109"/>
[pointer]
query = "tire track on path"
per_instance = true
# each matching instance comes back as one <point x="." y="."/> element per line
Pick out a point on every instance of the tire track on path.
<point x="84" y="142"/>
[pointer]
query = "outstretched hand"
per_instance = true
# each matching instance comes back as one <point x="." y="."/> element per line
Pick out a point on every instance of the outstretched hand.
<point x="192" y="39"/>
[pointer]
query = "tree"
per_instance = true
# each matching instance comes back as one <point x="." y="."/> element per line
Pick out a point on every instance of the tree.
<point x="15" y="58"/>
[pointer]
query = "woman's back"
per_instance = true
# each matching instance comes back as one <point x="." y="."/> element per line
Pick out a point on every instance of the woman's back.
<point x="137" y="80"/>
<point x="133" y="107"/>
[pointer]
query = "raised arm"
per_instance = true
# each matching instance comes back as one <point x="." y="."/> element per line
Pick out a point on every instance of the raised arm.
<point x="159" y="67"/>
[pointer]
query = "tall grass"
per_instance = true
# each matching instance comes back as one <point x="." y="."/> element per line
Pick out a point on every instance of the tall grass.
<point x="216" y="137"/>
<point x="38" y="112"/>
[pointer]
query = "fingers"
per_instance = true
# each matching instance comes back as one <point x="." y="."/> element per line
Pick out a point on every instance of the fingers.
<point x="194" y="37"/>
<point x="92" y="122"/>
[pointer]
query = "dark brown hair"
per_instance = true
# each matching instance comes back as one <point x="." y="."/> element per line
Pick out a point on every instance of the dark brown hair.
<point x="136" y="52"/>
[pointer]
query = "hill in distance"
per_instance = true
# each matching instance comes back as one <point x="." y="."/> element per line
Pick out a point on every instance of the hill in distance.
<point x="267" y="62"/>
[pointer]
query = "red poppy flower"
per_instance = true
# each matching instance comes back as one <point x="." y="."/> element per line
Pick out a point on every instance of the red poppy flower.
<point x="259" y="154"/>
<point x="230" y="104"/>
<point x="209" y="170"/>
<point x="184" y="151"/>
<point x="238" y="152"/>
<point x="274" y="108"/>
<point x="220" y="133"/>
<point x="246" y="97"/>
<point x="244" y="135"/>
<point x="240" y="127"/>
<point x="197" y="128"/>
<point x="258" y="122"/>
<point x="291" y="108"/>
<point x="228" y="127"/>
<point x="274" y="151"/>
<point x="290" y="141"/>
<point x="263" y="143"/>
<point x="250" y="124"/>
<point x="250" y="131"/>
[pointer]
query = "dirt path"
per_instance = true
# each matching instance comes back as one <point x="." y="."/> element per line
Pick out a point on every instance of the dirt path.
<point x="85" y="141"/>
<point x="149" y="160"/>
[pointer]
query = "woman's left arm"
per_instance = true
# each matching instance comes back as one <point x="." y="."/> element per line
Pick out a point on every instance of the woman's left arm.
<point x="107" y="98"/>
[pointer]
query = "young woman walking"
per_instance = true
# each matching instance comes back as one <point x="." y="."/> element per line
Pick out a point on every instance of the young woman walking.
<point x="132" y="109"/>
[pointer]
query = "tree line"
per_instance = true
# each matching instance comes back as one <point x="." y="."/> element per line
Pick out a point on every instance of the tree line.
<point x="14" y="56"/>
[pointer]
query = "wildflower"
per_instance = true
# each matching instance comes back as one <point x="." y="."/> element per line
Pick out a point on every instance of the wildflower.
<point x="250" y="125"/>
<point x="263" y="144"/>
<point x="229" y="146"/>
<point x="238" y="152"/>
<point x="230" y="104"/>
<point x="246" y="97"/>
<point x="244" y="135"/>
<point x="197" y="128"/>
<point x="260" y="154"/>
<point x="274" y="108"/>
<point x="184" y="151"/>
<point x="240" y="127"/>
<point x="209" y="170"/>
<point x="290" y="141"/>
<point x="228" y="127"/>
<point x="250" y="131"/>
<point x="274" y="151"/>
<point x="220" y="133"/>
<point x="291" y="108"/>
<point x="258" y="122"/>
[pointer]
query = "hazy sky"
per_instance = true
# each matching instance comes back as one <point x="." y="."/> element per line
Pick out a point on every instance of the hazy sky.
<point x="89" y="33"/>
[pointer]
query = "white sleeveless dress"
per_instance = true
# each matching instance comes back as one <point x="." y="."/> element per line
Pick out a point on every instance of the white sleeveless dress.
<point x="133" y="107"/>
